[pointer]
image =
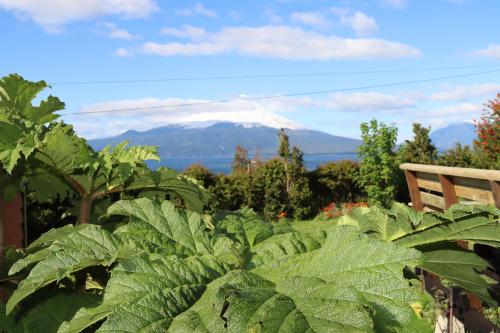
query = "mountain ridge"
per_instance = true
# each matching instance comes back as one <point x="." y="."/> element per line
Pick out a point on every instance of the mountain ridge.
<point x="221" y="138"/>
<point x="446" y="137"/>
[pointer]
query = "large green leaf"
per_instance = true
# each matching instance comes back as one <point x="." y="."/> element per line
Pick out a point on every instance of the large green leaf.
<point x="17" y="95"/>
<point x="351" y="284"/>
<point x="144" y="293"/>
<point x="243" y="301"/>
<point x="478" y="227"/>
<point x="21" y="123"/>
<point x="63" y="152"/>
<point x="165" y="180"/>
<point x="160" y="226"/>
<point x="245" y="226"/>
<point x="462" y="268"/>
<point x="435" y="235"/>
<point x="287" y="244"/>
<point x="372" y="267"/>
<point x="87" y="246"/>
<point x="61" y="306"/>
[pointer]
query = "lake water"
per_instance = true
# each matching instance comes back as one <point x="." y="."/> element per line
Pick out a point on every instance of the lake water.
<point x="218" y="164"/>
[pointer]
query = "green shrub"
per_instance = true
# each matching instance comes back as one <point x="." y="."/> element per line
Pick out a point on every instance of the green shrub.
<point x="335" y="182"/>
<point x="204" y="177"/>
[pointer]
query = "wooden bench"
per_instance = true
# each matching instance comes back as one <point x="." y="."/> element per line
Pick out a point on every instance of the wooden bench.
<point x="434" y="187"/>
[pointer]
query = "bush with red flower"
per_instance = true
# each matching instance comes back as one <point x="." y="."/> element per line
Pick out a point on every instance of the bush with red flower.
<point x="488" y="130"/>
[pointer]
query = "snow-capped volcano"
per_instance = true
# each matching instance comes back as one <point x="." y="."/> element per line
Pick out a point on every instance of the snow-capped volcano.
<point x="245" y="119"/>
<point x="212" y="138"/>
<point x="148" y="113"/>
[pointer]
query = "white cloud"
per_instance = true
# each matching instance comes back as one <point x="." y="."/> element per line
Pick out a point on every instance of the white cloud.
<point x="449" y="114"/>
<point x="491" y="51"/>
<point x="199" y="9"/>
<point x="114" y="32"/>
<point x="394" y="3"/>
<point x="340" y="11"/>
<point x="122" y="52"/>
<point x="52" y="15"/>
<point x="264" y="112"/>
<point x="284" y="42"/>
<point x="463" y="92"/>
<point x="368" y="101"/>
<point x="362" y="24"/>
<point x="314" y="19"/>
<point x="186" y="31"/>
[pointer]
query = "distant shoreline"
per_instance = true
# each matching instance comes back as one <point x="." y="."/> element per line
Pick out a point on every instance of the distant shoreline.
<point x="218" y="164"/>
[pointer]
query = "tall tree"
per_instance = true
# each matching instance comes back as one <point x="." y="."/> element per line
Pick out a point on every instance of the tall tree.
<point x="420" y="149"/>
<point x="256" y="160"/>
<point x="299" y="194"/>
<point x="378" y="166"/>
<point x="284" y="153"/>
<point x="241" y="162"/>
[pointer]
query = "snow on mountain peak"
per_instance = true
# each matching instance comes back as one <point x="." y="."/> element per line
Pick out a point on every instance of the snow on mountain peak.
<point x="244" y="118"/>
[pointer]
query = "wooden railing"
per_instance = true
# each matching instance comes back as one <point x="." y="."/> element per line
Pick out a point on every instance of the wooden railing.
<point x="434" y="187"/>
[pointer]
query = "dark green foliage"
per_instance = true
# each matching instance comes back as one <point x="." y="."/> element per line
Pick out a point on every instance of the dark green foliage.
<point x="229" y="192"/>
<point x="204" y="177"/>
<point x="466" y="157"/>
<point x="335" y="182"/>
<point x="419" y="150"/>
<point x="45" y="215"/>
<point x="272" y="179"/>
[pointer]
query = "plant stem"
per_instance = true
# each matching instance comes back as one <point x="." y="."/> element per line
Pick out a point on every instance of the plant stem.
<point x="85" y="208"/>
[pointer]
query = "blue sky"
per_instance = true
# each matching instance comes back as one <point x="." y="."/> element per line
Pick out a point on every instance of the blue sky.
<point x="68" y="41"/>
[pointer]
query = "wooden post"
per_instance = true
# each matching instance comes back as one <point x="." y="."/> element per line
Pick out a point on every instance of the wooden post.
<point x="11" y="220"/>
<point x="416" y="199"/>
<point x="448" y="188"/>
<point x="495" y="189"/>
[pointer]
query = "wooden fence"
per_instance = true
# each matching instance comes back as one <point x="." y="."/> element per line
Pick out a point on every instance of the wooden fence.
<point x="435" y="187"/>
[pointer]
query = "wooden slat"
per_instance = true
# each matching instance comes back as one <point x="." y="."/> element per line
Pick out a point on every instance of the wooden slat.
<point x="474" y="194"/>
<point x="471" y="189"/>
<point x="471" y="182"/>
<point x="429" y="184"/>
<point x="452" y="171"/>
<point x="416" y="199"/>
<point x="495" y="189"/>
<point x="448" y="189"/>
<point x="433" y="200"/>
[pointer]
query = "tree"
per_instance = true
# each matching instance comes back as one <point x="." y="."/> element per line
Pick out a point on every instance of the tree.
<point x="284" y="153"/>
<point x="271" y="179"/>
<point x="241" y="162"/>
<point x="299" y="194"/>
<point x="256" y="161"/>
<point x="459" y="156"/>
<point x="488" y="131"/>
<point x="199" y="172"/>
<point x="378" y="161"/>
<point x="420" y="149"/>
